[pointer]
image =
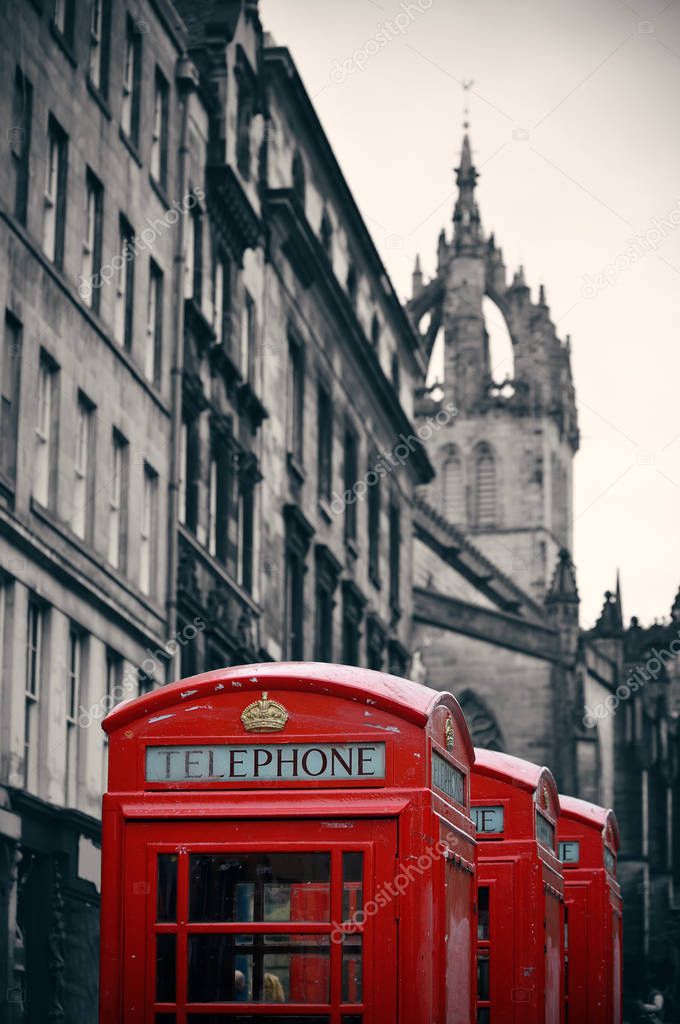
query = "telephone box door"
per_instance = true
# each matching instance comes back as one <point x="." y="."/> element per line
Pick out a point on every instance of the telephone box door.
<point x="242" y="921"/>
<point x="496" y="944"/>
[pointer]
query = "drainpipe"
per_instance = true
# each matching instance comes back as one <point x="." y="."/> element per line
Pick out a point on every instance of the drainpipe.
<point x="186" y="77"/>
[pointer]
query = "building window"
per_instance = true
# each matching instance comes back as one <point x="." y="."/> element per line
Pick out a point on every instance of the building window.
<point x="219" y="503"/>
<point x="351" y="472"/>
<point x="296" y="399"/>
<point x="453" y="504"/>
<point x="194" y="257"/>
<point x="153" y="340"/>
<point x="298" y="535"/>
<point x="397" y="658"/>
<point x="190" y="453"/>
<point x="132" y="62"/>
<point x="145" y="683"/>
<point x="375" y="331"/>
<point x="34" y="678"/>
<point x="373" y="522"/>
<point x="375" y="644"/>
<point x="324" y="443"/>
<point x="486" y="513"/>
<point x="10" y="383"/>
<point x="54" y="206"/>
<point x="82" y="521"/>
<point x="92" y="241"/>
<point x="326" y="235"/>
<point x="73" y="690"/>
<point x="222" y="299"/>
<point x="148" y="533"/>
<point x="63" y="18"/>
<point x="246" y="506"/>
<point x="125" y="283"/>
<point x="44" y="467"/>
<point x="299" y="186"/>
<point x="395" y="557"/>
<point x="352" y="613"/>
<point x="327" y="572"/>
<point x="20" y="141"/>
<point x="244" y="117"/>
<point x="159" y="130"/>
<point x="248" y="338"/>
<point x="99" y="45"/>
<point x="118" y="495"/>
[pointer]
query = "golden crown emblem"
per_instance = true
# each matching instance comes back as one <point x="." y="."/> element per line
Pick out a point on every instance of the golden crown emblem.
<point x="448" y="733"/>
<point x="264" y="715"/>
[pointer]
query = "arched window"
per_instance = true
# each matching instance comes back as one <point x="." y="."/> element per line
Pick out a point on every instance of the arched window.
<point x="484" y="728"/>
<point x="299" y="178"/>
<point x="327" y="235"/>
<point x="486" y="512"/>
<point x="375" y="331"/>
<point x="453" y="504"/>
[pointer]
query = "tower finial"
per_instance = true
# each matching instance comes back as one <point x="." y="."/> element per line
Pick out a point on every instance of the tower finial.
<point x="466" y="85"/>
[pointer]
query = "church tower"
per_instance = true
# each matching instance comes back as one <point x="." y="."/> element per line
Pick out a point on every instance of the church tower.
<point x="504" y="464"/>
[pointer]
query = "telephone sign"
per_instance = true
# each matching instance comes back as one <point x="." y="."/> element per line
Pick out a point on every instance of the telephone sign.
<point x="489" y="820"/>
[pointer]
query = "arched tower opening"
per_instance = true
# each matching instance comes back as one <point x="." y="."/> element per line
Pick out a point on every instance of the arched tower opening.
<point x="501" y="352"/>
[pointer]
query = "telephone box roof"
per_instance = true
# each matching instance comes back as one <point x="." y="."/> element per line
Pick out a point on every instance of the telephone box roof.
<point x="514" y="770"/>
<point x="590" y="814"/>
<point x="408" y="700"/>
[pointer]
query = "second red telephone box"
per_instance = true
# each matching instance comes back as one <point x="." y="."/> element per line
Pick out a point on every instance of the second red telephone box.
<point x="520" y="892"/>
<point x="588" y="838"/>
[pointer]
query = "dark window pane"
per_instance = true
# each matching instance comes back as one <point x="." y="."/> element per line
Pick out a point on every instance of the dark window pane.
<point x="352" y="1018"/>
<point x="167" y="887"/>
<point x="166" y="1018"/>
<point x="482" y="975"/>
<point x="259" y="968"/>
<point x="483" y="913"/>
<point x="259" y="887"/>
<point x="352" y="884"/>
<point x="352" y="969"/>
<point x="484" y="1015"/>
<point x="165" y="968"/>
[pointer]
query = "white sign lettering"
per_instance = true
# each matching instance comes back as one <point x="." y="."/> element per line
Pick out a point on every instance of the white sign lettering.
<point x="272" y="761"/>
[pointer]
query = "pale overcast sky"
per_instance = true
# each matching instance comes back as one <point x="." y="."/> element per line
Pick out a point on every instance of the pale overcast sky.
<point x="576" y="133"/>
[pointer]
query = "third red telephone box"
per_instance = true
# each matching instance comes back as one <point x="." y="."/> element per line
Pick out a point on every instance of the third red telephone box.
<point x="520" y="892"/>
<point x="588" y="844"/>
<point x="288" y="844"/>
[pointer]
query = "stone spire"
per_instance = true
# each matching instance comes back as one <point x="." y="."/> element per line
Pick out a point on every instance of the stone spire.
<point x="467" y="232"/>
<point x="610" y="622"/>
<point x="417" y="279"/>
<point x="563" y="589"/>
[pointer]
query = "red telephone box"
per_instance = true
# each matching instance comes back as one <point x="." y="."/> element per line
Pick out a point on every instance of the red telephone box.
<point x="588" y="845"/>
<point x="520" y="892"/>
<point x="268" y="833"/>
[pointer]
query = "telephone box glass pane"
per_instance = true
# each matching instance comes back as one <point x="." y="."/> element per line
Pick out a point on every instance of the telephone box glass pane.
<point x="351" y="969"/>
<point x="166" y="949"/>
<point x="483" y="913"/>
<point x="259" y="887"/>
<point x="259" y="968"/>
<point x="165" y="1018"/>
<point x="483" y="1015"/>
<point x="351" y="1018"/>
<point x="167" y="887"/>
<point x="352" y="884"/>
<point x="482" y="975"/>
<point x="251" y="1018"/>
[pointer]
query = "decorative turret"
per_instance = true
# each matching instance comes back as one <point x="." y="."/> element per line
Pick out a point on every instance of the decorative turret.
<point x="417" y="279"/>
<point x="562" y="603"/>
<point x="610" y="622"/>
